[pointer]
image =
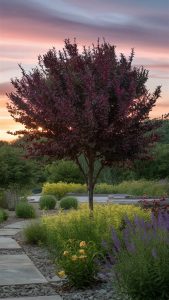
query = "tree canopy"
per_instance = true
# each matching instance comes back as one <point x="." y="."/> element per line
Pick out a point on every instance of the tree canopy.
<point x="88" y="103"/>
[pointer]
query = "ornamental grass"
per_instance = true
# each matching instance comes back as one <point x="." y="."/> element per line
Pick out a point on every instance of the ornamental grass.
<point x="77" y="225"/>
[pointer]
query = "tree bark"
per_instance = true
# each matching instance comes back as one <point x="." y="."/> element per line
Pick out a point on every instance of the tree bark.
<point x="91" y="185"/>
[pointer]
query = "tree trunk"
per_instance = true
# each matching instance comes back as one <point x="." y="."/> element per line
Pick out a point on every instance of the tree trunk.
<point x="91" y="185"/>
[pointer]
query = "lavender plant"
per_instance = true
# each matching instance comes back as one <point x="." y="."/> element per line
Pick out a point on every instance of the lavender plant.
<point x="141" y="256"/>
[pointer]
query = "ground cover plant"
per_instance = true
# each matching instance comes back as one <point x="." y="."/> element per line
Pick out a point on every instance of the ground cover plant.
<point x="77" y="225"/>
<point x="25" y="210"/>
<point x="141" y="258"/>
<point x="47" y="202"/>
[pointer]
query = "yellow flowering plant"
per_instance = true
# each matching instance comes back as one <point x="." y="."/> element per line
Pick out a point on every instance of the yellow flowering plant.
<point x="79" y="262"/>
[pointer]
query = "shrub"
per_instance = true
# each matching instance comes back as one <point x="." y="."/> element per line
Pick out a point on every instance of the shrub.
<point x="47" y="202"/>
<point x="78" y="262"/>
<point x="104" y="188"/>
<point x="135" y="188"/>
<point x="142" y="257"/>
<point x="35" y="233"/>
<point x="3" y="202"/>
<point x="60" y="189"/>
<point x="3" y="215"/>
<point x="25" y="210"/>
<point x="69" y="202"/>
<point x="77" y="225"/>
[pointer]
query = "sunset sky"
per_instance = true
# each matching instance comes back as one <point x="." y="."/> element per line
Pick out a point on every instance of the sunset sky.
<point x="29" y="28"/>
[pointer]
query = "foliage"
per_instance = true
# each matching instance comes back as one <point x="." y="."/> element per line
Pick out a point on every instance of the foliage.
<point x="156" y="206"/>
<point x="35" y="233"/>
<point x="14" y="168"/>
<point x="141" y="258"/>
<point x="3" y="215"/>
<point x="77" y="225"/>
<point x="60" y="189"/>
<point x="134" y="187"/>
<point x="90" y="103"/>
<point x="68" y="202"/>
<point x="25" y="210"/>
<point x="47" y="202"/>
<point x="155" y="168"/>
<point x="66" y="171"/>
<point x="142" y="187"/>
<point x="3" y="202"/>
<point x="79" y="262"/>
<point x="163" y="132"/>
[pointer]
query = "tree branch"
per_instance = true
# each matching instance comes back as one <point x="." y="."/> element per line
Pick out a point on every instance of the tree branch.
<point x="97" y="175"/>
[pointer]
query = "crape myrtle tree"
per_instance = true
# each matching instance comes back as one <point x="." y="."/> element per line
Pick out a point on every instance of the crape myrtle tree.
<point x="89" y="103"/>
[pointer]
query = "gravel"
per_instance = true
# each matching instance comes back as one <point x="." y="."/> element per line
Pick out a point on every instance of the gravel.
<point x="26" y="290"/>
<point x="11" y="251"/>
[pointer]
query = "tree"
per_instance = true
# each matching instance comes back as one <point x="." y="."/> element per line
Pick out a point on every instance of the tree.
<point x="66" y="171"/>
<point x="90" y="103"/>
<point x="15" y="169"/>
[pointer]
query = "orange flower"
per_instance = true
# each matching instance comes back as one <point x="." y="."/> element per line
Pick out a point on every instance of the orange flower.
<point x="74" y="257"/>
<point x="61" y="274"/>
<point x="83" y="244"/>
<point x="65" y="253"/>
<point x="82" y="251"/>
<point x="82" y="256"/>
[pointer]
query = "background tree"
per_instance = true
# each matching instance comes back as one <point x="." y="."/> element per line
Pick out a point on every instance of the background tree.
<point x="65" y="171"/>
<point x="90" y="103"/>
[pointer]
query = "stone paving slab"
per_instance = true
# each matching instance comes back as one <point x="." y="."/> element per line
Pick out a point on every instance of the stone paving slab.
<point x="8" y="243"/>
<point x="18" y="225"/>
<point x="8" y="231"/>
<point x="19" y="269"/>
<point x="54" y="297"/>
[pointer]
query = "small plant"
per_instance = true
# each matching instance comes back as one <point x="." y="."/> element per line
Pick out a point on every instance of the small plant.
<point x="78" y="263"/>
<point x="25" y="210"/>
<point x="47" y="202"/>
<point x="35" y="233"/>
<point x="69" y="202"/>
<point x="156" y="206"/>
<point x="3" y="215"/>
<point x="141" y="257"/>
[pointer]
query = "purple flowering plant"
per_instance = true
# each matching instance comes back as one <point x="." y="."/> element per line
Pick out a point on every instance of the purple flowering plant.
<point x="140" y="257"/>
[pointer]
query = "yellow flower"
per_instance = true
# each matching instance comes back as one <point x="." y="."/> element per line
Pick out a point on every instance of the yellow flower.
<point x="65" y="253"/>
<point x="83" y="244"/>
<point x="82" y="251"/>
<point x="82" y="256"/>
<point x="74" y="257"/>
<point x="61" y="274"/>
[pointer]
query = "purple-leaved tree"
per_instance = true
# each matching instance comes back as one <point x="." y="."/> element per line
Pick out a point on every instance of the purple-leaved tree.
<point x="88" y="104"/>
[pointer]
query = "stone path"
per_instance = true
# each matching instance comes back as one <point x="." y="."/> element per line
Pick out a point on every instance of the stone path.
<point x="18" y="269"/>
<point x="54" y="297"/>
